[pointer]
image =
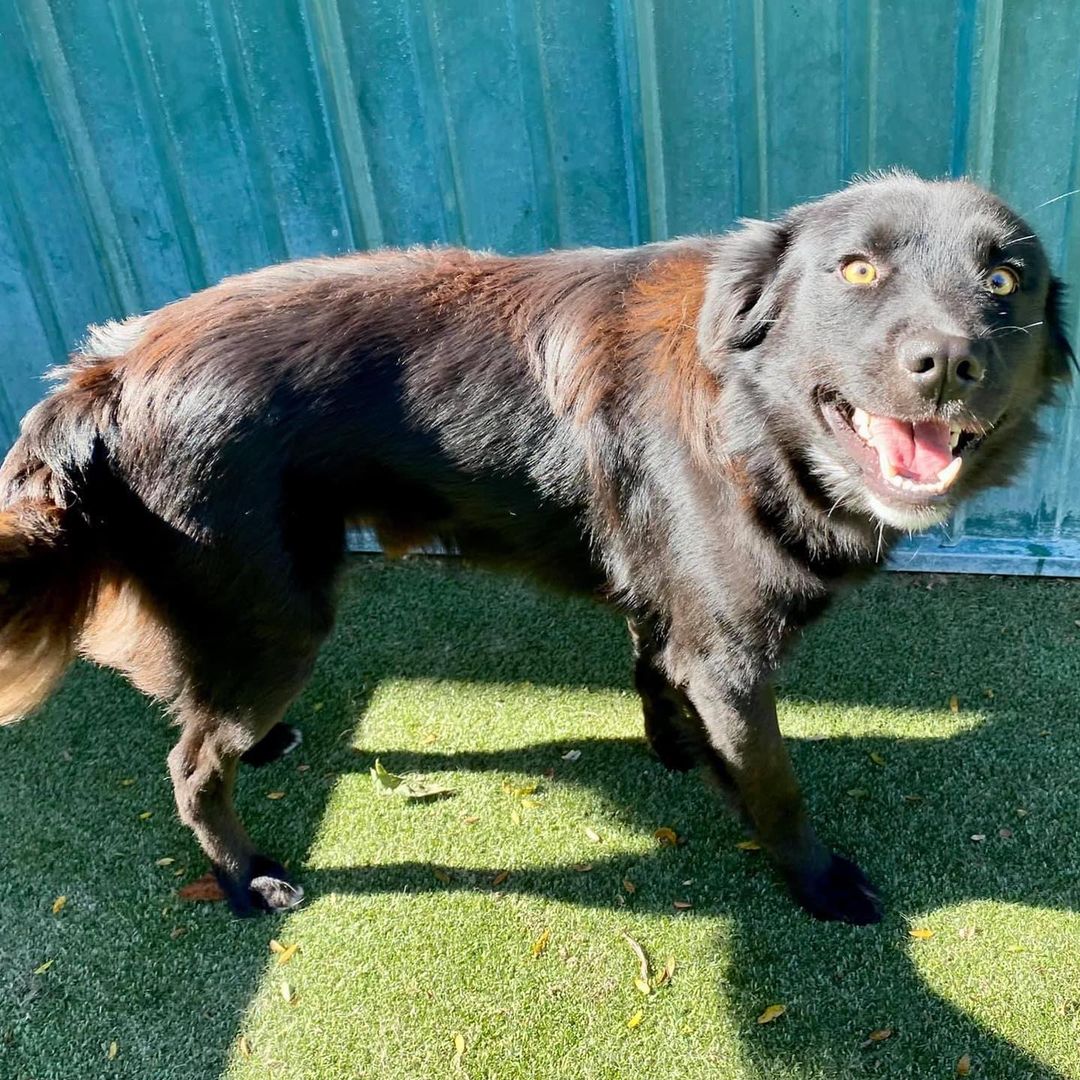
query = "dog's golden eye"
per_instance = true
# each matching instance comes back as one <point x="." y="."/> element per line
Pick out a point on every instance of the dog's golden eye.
<point x="1001" y="281"/>
<point x="859" y="272"/>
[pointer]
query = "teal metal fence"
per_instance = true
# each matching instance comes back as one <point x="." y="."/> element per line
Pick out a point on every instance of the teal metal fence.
<point x="148" y="147"/>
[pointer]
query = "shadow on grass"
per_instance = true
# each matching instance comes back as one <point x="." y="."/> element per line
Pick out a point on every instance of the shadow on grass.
<point x="170" y="983"/>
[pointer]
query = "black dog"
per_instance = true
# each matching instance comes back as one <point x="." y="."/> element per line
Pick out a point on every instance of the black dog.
<point x="713" y="434"/>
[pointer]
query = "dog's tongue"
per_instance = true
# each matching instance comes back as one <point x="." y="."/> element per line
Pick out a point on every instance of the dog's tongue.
<point x="915" y="451"/>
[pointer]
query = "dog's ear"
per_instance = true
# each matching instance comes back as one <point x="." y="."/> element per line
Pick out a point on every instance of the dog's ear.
<point x="741" y="294"/>
<point x="1060" y="358"/>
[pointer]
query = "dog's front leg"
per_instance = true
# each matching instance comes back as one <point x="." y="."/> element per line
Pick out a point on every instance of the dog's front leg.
<point x="741" y="728"/>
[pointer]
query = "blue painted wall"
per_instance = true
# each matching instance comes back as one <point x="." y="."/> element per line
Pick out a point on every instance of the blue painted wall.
<point x="148" y="147"/>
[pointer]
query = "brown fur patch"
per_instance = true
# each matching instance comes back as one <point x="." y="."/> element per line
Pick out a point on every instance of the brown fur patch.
<point x="123" y="631"/>
<point x="42" y="600"/>
<point x="662" y="311"/>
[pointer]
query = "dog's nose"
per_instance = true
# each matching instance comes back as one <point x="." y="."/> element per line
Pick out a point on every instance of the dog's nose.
<point x="943" y="366"/>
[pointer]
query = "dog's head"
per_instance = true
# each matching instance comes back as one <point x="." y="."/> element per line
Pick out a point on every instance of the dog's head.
<point x="897" y="337"/>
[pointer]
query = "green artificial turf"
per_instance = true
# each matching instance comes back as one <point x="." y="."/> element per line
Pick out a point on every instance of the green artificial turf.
<point x="405" y="941"/>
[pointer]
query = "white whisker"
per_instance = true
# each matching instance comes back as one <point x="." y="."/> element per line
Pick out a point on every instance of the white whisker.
<point x="1056" y="198"/>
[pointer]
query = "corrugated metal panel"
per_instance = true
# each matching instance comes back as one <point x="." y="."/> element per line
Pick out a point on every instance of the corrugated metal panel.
<point x="147" y="149"/>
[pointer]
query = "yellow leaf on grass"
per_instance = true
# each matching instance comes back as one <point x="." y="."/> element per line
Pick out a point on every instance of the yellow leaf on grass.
<point x="642" y="986"/>
<point x="531" y="804"/>
<point x="771" y="1013"/>
<point x="499" y="878"/>
<point x="748" y="845"/>
<point x="954" y="704"/>
<point x="42" y="968"/>
<point x="666" y="975"/>
<point x="127" y="781"/>
<point x="876" y="758"/>
<point x="167" y="861"/>
<point x="667" y="837"/>
<point x="58" y="904"/>
<point x="288" y="994"/>
<point x="582" y="867"/>
<point x="470" y="819"/>
<point x="459" y="1049"/>
<point x="442" y="875"/>
<point x="963" y="1066"/>
<point x="114" y="1049"/>
<point x="682" y="905"/>
<point x="275" y="795"/>
<point x="287" y="953"/>
<point x="276" y="946"/>
<point x="541" y="943"/>
<point x="635" y="1020"/>
<point x="146" y="815"/>
<point x="922" y="933"/>
<point x="629" y="886"/>
<point x="592" y="834"/>
<point x="245" y="1047"/>
<point x="880" y="1035"/>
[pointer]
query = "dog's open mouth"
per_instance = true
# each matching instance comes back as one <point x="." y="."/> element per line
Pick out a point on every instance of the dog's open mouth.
<point x="913" y="461"/>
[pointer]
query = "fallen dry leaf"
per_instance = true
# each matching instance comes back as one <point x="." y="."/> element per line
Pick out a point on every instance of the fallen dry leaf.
<point x="287" y="953"/>
<point x="470" y="819"/>
<point x="177" y="932"/>
<point x="459" y="1049"/>
<point x="978" y="837"/>
<point x="963" y="1066"/>
<point x="441" y="875"/>
<point x="167" y="861"/>
<point x="386" y="783"/>
<point x="668" y="973"/>
<point x="245" y="1047"/>
<point x="629" y="886"/>
<point x="275" y="795"/>
<point x="642" y="986"/>
<point x="127" y="781"/>
<point x="114" y="1049"/>
<point x="42" y="968"/>
<point x="592" y="834"/>
<point x="635" y="1020"/>
<point x="1005" y="834"/>
<point x="922" y="933"/>
<point x="748" y="845"/>
<point x="59" y="904"/>
<point x="858" y="793"/>
<point x="288" y="994"/>
<point x="146" y="815"/>
<point x="667" y="837"/>
<point x="878" y="1036"/>
<point x="571" y="755"/>
<point x="682" y="905"/>
<point x="532" y="804"/>
<point x="954" y="704"/>
<point x="430" y="738"/>
<point x="967" y="932"/>
<point x="876" y="758"/>
<point x="202" y="890"/>
<point x="541" y="943"/>
<point x="499" y="878"/>
<point x="771" y="1013"/>
<point x="913" y="800"/>
<point x="582" y="867"/>
<point x="639" y="952"/>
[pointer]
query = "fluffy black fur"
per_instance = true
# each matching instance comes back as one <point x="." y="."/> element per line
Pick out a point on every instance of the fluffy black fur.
<point x="671" y="429"/>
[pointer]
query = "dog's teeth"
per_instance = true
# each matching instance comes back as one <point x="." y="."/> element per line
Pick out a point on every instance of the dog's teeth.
<point x="954" y="436"/>
<point x="888" y="469"/>
<point x="949" y="473"/>
<point x="860" y="421"/>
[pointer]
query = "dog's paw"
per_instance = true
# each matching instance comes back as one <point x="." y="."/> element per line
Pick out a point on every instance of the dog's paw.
<point x="280" y="740"/>
<point x="265" y="888"/>
<point x="839" y="893"/>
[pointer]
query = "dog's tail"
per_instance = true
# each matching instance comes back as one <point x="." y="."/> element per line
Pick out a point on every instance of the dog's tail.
<point x="48" y="569"/>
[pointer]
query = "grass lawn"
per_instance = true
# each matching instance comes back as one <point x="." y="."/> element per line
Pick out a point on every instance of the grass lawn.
<point x="965" y="815"/>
